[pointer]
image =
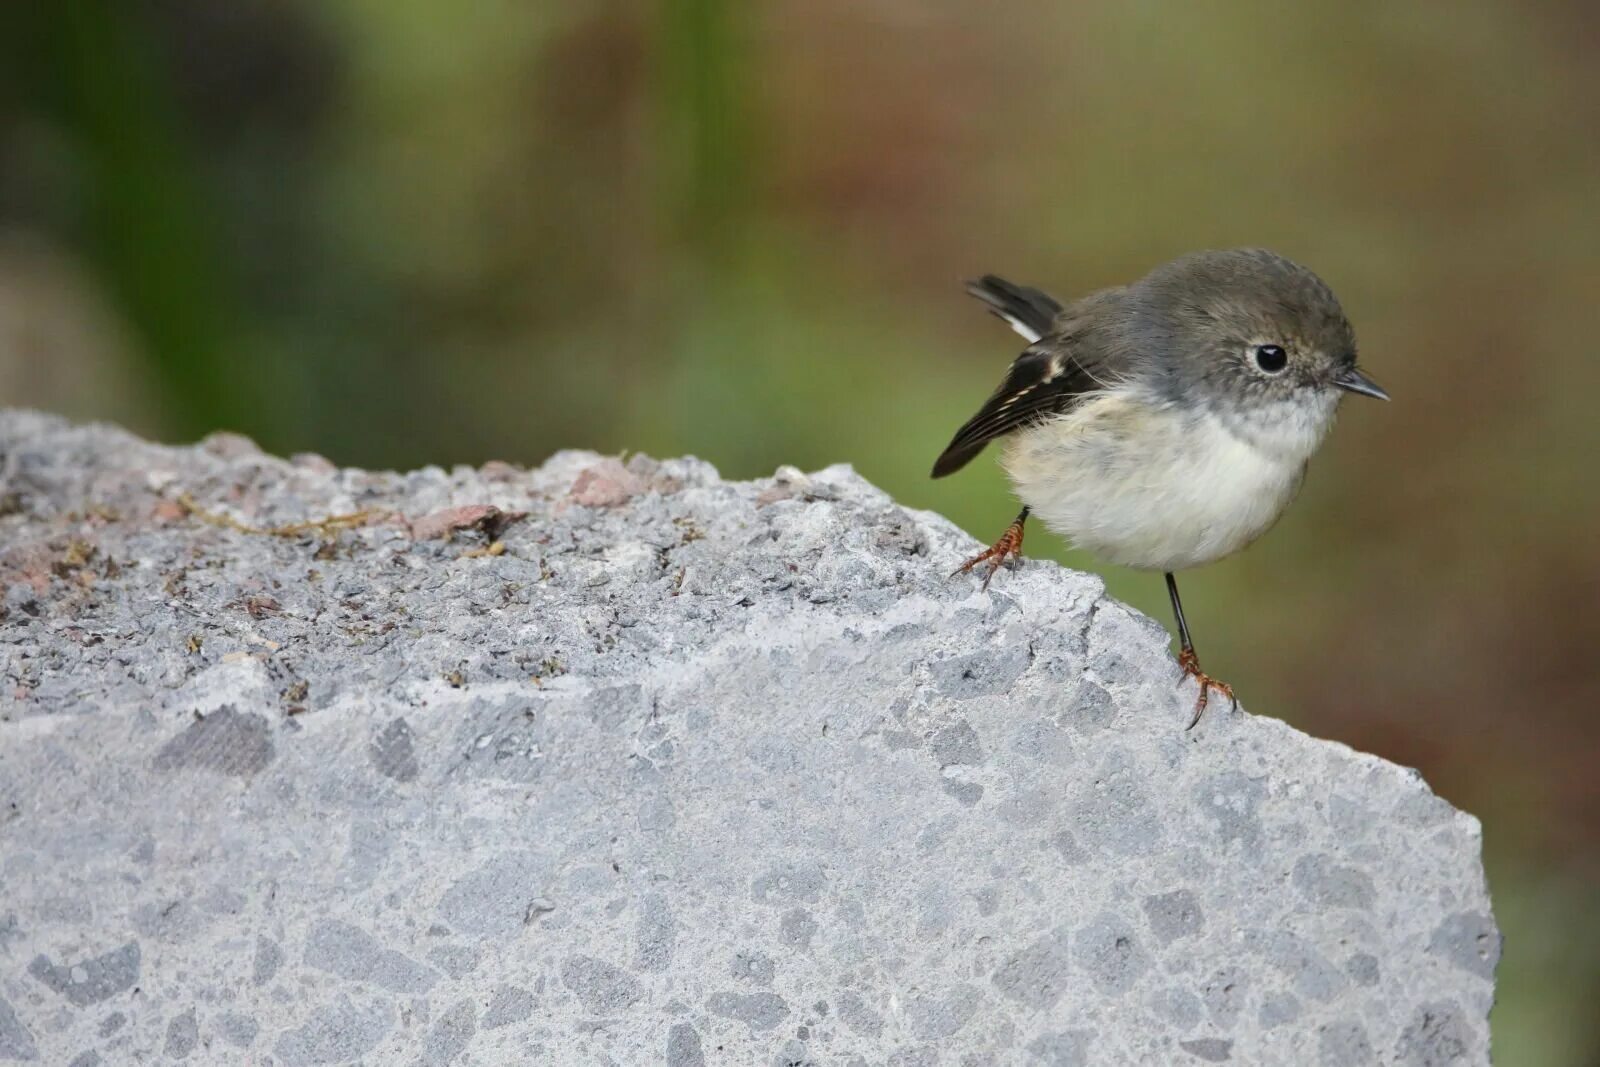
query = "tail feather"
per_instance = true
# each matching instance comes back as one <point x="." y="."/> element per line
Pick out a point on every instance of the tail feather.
<point x="1029" y="311"/>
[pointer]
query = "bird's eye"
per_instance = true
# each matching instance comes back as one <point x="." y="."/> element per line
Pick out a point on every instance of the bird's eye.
<point x="1271" y="358"/>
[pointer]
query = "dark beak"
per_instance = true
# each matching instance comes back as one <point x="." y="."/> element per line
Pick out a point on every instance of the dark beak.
<point x="1356" y="382"/>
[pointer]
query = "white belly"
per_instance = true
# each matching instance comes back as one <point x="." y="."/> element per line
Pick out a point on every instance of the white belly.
<point x="1147" y="487"/>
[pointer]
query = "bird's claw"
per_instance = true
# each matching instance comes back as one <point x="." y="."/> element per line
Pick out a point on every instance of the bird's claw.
<point x="1191" y="669"/>
<point x="1008" y="547"/>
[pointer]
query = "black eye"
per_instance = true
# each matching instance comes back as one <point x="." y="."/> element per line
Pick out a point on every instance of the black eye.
<point x="1271" y="358"/>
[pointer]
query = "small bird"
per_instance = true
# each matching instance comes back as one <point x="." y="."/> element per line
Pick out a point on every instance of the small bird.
<point x="1165" y="424"/>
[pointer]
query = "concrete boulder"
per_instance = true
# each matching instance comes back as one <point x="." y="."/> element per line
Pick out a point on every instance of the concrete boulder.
<point x="616" y="762"/>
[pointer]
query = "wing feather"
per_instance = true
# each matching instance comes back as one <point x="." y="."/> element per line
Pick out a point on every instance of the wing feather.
<point x="1045" y="380"/>
<point x="1068" y="360"/>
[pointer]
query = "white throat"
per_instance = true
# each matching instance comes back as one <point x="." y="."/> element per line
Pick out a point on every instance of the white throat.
<point x="1289" y="431"/>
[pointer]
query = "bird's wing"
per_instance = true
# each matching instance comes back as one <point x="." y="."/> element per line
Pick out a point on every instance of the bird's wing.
<point x="1030" y="312"/>
<point x="1068" y="363"/>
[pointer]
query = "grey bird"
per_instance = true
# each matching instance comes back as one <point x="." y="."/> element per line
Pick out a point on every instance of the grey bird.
<point x="1165" y="424"/>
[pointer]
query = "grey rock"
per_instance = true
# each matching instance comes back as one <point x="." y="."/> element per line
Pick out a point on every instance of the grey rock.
<point x="1344" y="1043"/>
<point x="1437" y="1035"/>
<point x="1067" y="1049"/>
<point x="657" y="934"/>
<point x="754" y="967"/>
<point x="1278" y="1009"/>
<point x="1332" y="884"/>
<point x="860" y="1018"/>
<point x="601" y="987"/>
<point x="237" y="1029"/>
<point x="508" y="1005"/>
<point x="939" y="1016"/>
<point x="457" y="961"/>
<point x="91" y="980"/>
<point x="494" y="900"/>
<point x="16" y="1043"/>
<point x="684" y="1048"/>
<point x="1173" y="915"/>
<point x="451" y="1034"/>
<point x="1036" y="975"/>
<point x="1363" y="969"/>
<point x="225" y="741"/>
<point x="761" y="1011"/>
<point x="392" y="752"/>
<point x="336" y="1033"/>
<point x="957" y="744"/>
<point x="268" y="958"/>
<point x="1209" y="1049"/>
<point x="1109" y="950"/>
<point x="182" y="1034"/>
<point x="350" y="952"/>
<point x="1178" y="1006"/>
<point x="684" y="769"/>
<point x="1470" y="941"/>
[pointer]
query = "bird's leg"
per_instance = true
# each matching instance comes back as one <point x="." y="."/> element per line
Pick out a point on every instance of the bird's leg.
<point x="1191" y="662"/>
<point x="1009" y="545"/>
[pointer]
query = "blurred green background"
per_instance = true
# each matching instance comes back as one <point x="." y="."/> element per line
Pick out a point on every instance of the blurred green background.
<point x="399" y="232"/>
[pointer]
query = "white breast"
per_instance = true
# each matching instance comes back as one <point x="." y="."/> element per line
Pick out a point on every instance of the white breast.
<point x="1146" y="486"/>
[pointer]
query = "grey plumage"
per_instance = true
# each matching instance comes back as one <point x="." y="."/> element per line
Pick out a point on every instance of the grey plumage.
<point x="1184" y="329"/>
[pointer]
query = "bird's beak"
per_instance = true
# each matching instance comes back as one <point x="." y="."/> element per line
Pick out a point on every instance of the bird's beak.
<point x="1356" y="382"/>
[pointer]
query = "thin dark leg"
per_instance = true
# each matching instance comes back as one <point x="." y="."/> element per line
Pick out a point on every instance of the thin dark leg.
<point x="1009" y="545"/>
<point x="1177" y="609"/>
<point x="1191" y="662"/>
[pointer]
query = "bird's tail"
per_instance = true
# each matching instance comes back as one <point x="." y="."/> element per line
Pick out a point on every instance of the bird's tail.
<point x="1029" y="311"/>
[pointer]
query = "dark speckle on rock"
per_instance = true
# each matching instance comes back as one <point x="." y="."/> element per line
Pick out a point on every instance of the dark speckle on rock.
<point x="1363" y="969"/>
<point x="1470" y="941"/>
<point x="855" y="1013"/>
<point x="1173" y="915"/>
<point x="657" y="934"/>
<point x="985" y="673"/>
<point x="1436" y="1037"/>
<point x="268" y="958"/>
<point x="1210" y="1049"/>
<point x="350" y="952"/>
<point x="797" y="928"/>
<point x="226" y="741"/>
<point x="1109" y="949"/>
<point x="956" y="745"/>
<point x="684" y="1048"/>
<point x="16" y="1042"/>
<point x="601" y="986"/>
<point x="92" y="980"/>
<point x="967" y="794"/>
<point x="1035" y="976"/>
<point x="754" y="967"/>
<point x="183" y="1032"/>
<point x="802" y="882"/>
<point x="393" y="753"/>
<point x="337" y="1032"/>
<point x="1344" y="1043"/>
<point x="760" y="1011"/>
<point x="451" y="1034"/>
<point x="1332" y="884"/>
<point x="508" y="1005"/>
<point x="1065" y="1049"/>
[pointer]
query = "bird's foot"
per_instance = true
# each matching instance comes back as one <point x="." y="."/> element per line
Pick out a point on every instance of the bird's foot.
<point x="1008" y="547"/>
<point x="1191" y="669"/>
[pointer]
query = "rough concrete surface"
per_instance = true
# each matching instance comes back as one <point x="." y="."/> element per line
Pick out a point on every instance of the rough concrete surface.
<point x="668" y="770"/>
